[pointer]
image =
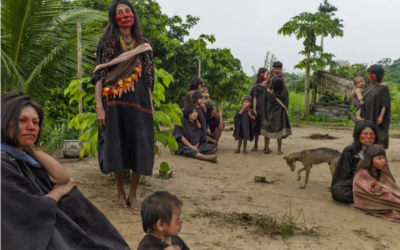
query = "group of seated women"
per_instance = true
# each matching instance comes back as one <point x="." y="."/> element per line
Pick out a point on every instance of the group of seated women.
<point x="363" y="179"/>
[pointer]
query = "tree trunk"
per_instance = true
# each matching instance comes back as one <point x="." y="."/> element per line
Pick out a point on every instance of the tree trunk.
<point x="307" y="89"/>
<point x="322" y="45"/>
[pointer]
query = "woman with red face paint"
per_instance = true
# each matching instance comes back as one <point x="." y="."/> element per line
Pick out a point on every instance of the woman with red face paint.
<point x="377" y="104"/>
<point x="40" y="207"/>
<point x="365" y="134"/>
<point x="215" y="123"/>
<point x="124" y="80"/>
<point x="375" y="190"/>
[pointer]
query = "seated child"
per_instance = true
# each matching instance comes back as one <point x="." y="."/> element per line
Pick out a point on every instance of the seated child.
<point x="161" y="222"/>
<point x="206" y="98"/>
<point x="244" y="124"/>
<point x="359" y="84"/>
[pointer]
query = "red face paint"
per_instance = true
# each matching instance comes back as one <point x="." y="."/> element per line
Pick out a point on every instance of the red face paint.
<point x="371" y="77"/>
<point x="214" y="113"/>
<point x="263" y="77"/>
<point x="367" y="137"/>
<point x="125" y="19"/>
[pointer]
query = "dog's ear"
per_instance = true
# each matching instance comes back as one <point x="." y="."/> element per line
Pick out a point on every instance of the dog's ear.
<point x="285" y="157"/>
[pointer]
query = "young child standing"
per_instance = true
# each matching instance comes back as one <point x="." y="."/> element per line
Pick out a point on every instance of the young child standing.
<point x="161" y="222"/>
<point x="204" y="90"/>
<point x="244" y="124"/>
<point x="359" y="84"/>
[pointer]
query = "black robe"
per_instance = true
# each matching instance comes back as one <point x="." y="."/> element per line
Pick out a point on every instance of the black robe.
<point x="258" y="93"/>
<point x="374" y="101"/>
<point x="342" y="181"/>
<point x="32" y="221"/>
<point x="150" y="242"/>
<point x="244" y="126"/>
<point x="127" y="140"/>
<point x="203" y="121"/>
<point x="192" y="134"/>
<point x="275" y="122"/>
<point x="212" y="122"/>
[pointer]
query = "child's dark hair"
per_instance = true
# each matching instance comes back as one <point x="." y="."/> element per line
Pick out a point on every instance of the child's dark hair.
<point x="247" y="98"/>
<point x="206" y="86"/>
<point x="357" y="80"/>
<point x="378" y="71"/>
<point x="188" y="110"/>
<point x="158" y="206"/>
<point x="196" y="96"/>
<point x="372" y="151"/>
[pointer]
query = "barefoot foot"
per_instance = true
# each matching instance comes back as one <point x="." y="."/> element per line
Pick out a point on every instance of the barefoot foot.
<point x="279" y="152"/>
<point x="213" y="159"/>
<point x="121" y="200"/>
<point x="237" y="151"/>
<point x="133" y="202"/>
<point x="245" y="152"/>
<point x="254" y="149"/>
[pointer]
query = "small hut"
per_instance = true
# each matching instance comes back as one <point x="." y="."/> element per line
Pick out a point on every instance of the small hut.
<point x="331" y="108"/>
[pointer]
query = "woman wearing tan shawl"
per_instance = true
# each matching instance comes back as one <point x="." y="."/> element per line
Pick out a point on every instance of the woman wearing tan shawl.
<point x="374" y="188"/>
<point x="124" y="80"/>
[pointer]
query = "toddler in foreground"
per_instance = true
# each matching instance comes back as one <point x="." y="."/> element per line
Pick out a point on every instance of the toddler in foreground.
<point x="161" y="222"/>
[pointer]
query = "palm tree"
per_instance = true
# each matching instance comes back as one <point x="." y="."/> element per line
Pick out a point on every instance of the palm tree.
<point x="329" y="10"/>
<point x="38" y="43"/>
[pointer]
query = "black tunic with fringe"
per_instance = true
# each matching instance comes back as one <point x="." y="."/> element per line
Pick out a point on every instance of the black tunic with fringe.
<point x="32" y="221"/>
<point x="127" y="140"/>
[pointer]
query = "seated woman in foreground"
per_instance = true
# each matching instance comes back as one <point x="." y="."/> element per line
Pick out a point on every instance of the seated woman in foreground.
<point x="375" y="190"/>
<point x="191" y="140"/>
<point x="40" y="207"/>
<point x="365" y="134"/>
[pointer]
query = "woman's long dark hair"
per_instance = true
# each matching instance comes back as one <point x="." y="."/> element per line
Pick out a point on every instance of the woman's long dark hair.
<point x="378" y="71"/>
<point x="260" y="71"/>
<point x="195" y="83"/>
<point x="196" y="96"/>
<point x="188" y="110"/>
<point x="12" y="104"/>
<point x="278" y="87"/>
<point x="111" y="32"/>
<point x="357" y="132"/>
<point x="371" y="152"/>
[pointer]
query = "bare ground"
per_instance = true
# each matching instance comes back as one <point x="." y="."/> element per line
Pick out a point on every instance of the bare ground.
<point x="228" y="187"/>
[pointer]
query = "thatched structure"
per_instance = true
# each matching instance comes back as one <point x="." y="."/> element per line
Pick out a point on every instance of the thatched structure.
<point x="331" y="109"/>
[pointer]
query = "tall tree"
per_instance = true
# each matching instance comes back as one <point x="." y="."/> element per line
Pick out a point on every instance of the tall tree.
<point x="329" y="10"/>
<point x="308" y="26"/>
<point x="38" y="45"/>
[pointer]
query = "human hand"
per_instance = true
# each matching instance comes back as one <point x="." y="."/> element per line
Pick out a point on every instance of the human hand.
<point x="385" y="168"/>
<point x="361" y="102"/>
<point x="380" y="120"/>
<point x="249" y="112"/>
<point x="101" y="117"/>
<point x="353" y="93"/>
<point x="198" y="124"/>
<point x="220" y="112"/>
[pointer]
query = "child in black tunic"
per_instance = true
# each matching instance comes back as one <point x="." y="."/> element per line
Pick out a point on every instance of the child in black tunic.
<point x="244" y="124"/>
<point x="161" y="221"/>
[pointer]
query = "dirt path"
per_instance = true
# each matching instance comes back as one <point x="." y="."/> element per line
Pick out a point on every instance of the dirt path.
<point x="229" y="186"/>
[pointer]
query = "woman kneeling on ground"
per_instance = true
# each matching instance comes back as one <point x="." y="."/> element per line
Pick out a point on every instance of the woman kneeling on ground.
<point x="215" y="123"/>
<point x="365" y="134"/>
<point x="375" y="190"/>
<point x="40" y="207"/>
<point x="190" y="137"/>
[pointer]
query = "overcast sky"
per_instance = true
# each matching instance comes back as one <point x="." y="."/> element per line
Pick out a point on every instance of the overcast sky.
<point x="249" y="28"/>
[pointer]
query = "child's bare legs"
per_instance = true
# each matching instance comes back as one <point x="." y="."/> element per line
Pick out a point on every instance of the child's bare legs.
<point x="217" y="134"/>
<point x="202" y="157"/>
<point x="279" y="146"/>
<point x="359" y="118"/>
<point x="244" y="147"/>
<point x="255" y="144"/>
<point x="267" y="151"/>
<point x="239" y="145"/>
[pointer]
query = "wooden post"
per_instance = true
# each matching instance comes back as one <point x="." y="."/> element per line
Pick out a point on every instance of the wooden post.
<point x="199" y="68"/>
<point x="80" y="75"/>
<point x="307" y="89"/>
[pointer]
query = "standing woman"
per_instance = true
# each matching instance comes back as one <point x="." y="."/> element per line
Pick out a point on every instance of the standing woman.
<point x="124" y="80"/>
<point x="377" y="104"/>
<point x="275" y="121"/>
<point x="194" y="85"/>
<point x="258" y="95"/>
